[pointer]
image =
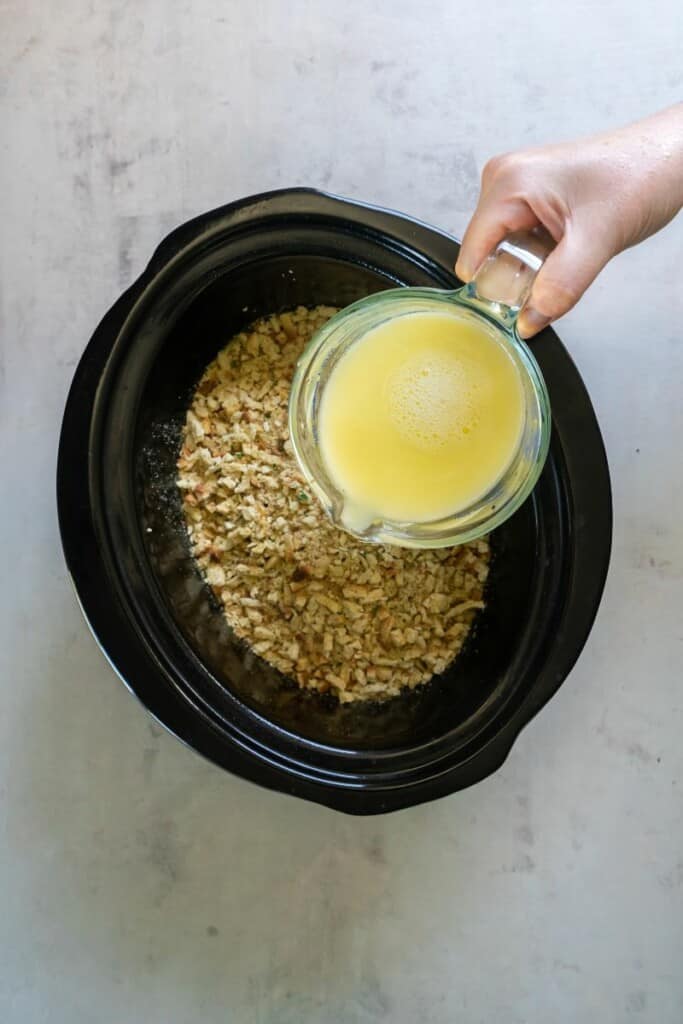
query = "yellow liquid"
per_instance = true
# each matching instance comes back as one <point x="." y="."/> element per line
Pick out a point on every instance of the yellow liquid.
<point x="419" y="419"/>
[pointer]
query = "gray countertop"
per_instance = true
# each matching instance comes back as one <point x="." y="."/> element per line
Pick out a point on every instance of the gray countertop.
<point x="137" y="882"/>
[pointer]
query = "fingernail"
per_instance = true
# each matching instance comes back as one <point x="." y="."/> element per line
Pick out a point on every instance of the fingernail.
<point x="531" y="322"/>
<point x="462" y="270"/>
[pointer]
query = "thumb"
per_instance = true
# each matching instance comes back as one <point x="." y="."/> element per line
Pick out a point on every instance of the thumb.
<point x="566" y="274"/>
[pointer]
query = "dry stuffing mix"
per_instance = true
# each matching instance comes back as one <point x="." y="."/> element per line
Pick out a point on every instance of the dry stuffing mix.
<point x="335" y="615"/>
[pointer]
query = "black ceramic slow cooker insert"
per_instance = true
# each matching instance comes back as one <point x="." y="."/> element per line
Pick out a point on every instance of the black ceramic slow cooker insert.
<point x="155" y="618"/>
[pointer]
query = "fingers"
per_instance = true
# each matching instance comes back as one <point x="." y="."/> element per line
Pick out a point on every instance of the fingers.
<point x="493" y="219"/>
<point x="539" y="188"/>
<point x="566" y="274"/>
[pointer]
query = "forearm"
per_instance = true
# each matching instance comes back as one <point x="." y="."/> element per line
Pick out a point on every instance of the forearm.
<point x="646" y="161"/>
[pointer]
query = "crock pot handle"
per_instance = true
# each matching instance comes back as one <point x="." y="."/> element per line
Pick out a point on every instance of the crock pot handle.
<point x="504" y="280"/>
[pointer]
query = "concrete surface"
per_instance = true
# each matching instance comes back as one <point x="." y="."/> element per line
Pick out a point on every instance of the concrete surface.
<point x="137" y="883"/>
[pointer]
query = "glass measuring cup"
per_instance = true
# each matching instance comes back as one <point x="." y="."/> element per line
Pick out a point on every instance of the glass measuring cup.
<point x="493" y="300"/>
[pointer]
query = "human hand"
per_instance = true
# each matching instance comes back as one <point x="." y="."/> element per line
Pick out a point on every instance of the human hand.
<point x="596" y="197"/>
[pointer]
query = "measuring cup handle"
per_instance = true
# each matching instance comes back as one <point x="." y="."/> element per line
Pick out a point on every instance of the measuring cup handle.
<point x="504" y="279"/>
